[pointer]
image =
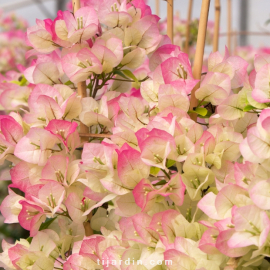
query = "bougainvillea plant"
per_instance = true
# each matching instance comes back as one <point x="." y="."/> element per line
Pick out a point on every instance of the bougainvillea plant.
<point x="150" y="188"/>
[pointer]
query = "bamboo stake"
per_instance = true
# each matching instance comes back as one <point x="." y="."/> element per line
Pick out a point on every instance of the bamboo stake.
<point x="235" y="44"/>
<point x="76" y="5"/>
<point x="81" y="85"/>
<point x="92" y="135"/>
<point x="83" y="128"/>
<point x="217" y="25"/>
<point x="87" y="227"/>
<point x="198" y="61"/>
<point x="170" y="19"/>
<point x="157" y="8"/>
<point x="188" y="26"/>
<point x="229" y="11"/>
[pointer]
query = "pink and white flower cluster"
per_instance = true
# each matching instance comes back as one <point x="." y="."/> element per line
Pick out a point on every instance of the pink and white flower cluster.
<point x="12" y="43"/>
<point x="150" y="184"/>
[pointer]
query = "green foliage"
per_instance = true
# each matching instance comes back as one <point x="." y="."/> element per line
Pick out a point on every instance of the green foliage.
<point x="45" y="225"/>
<point x="21" y="82"/>
<point x="249" y="108"/>
<point x="129" y="74"/>
<point x="170" y="163"/>
<point x="154" y="171"/>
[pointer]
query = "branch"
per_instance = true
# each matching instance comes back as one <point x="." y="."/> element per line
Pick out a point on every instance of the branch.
<point x="93" y="135"/>
<point x="166" y="174"/>
<point x="122" y="80"/>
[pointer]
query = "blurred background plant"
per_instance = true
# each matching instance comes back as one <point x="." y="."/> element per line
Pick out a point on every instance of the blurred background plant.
<point x="9" y="232"/>
<point x="12" y="61"/>
<point x="12" y="42"/>
<point x="180" y="26"/>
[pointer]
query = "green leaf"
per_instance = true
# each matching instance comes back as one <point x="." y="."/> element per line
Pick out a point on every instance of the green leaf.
<point x="170" y="163"/>
<point x="201" y="111"/>
<point x="29" y="239"/>
<point x="68" y="83"/>
<point x="16" y="82"/>
<point x="21" y="82"/>
<point x="212" y="189"/>
<point x="121" y="74"/>
<point x="97" y="232"/>
<point x="204" y="103"/>
<point x="129" y="74"/>
<point x="154" y="171"/>
<point x="46" y="224"/>
<point x="162" y="182"/>
<point x="248" y="108"/>
<point x="94" y="211"/>
<point x="207" y="115"/>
